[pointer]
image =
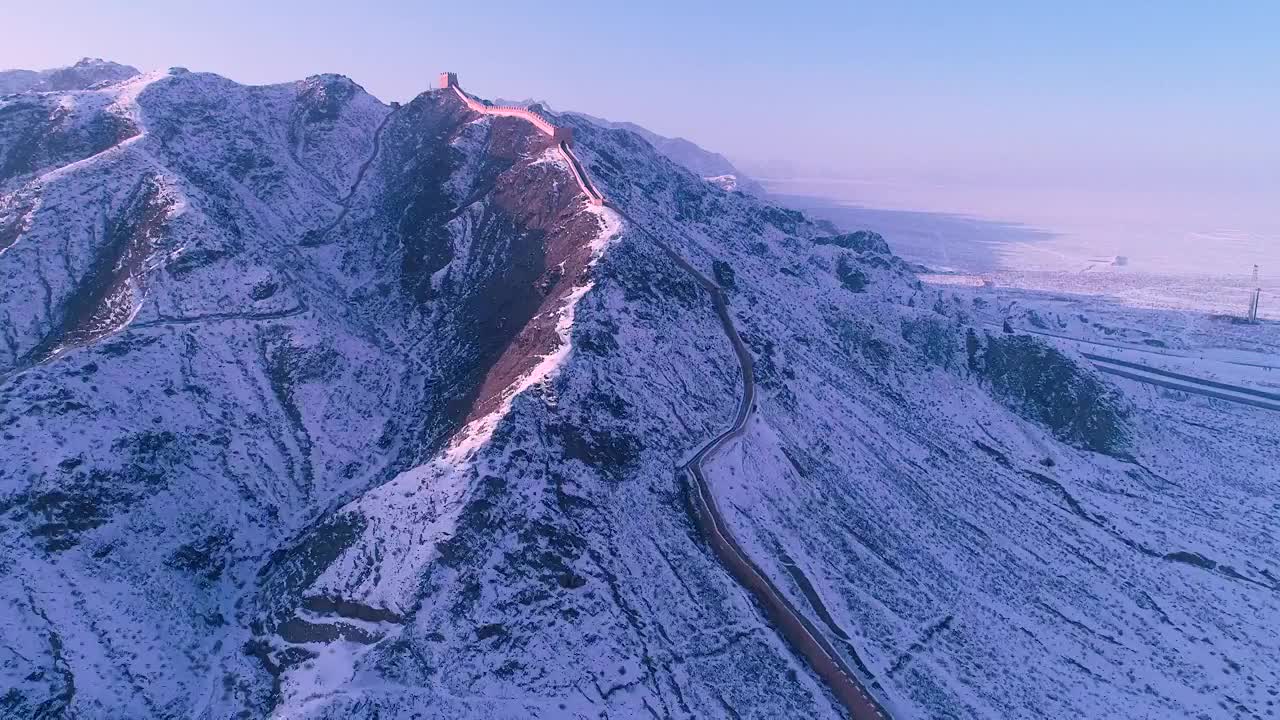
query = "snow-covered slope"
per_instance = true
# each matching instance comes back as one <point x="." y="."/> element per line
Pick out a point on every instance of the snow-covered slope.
<point x="712" y="166"/>
<point x="954" y="513"/>
<point x="313" y="407"/>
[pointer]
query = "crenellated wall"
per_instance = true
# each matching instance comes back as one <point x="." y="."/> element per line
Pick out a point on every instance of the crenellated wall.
<point x="561" y="136"/>
<point x="507" y="111"/>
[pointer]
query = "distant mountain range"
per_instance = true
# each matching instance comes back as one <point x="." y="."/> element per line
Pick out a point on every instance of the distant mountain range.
<point x="80" y="76"/>
<point x="701" y="162"/>
<point x="711" y="166"/>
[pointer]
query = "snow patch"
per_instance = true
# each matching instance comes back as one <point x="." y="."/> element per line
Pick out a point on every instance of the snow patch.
<point x="328" y="672"/>
<point x="124" y="102"/>
<point x="413" y="513"/>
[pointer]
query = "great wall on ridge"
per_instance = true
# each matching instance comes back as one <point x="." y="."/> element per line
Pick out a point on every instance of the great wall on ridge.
<point x="561" y="136"/>
<point x="800" y="632"/>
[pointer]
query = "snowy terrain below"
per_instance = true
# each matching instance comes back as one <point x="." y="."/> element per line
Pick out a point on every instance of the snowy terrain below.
<point x="316" y="407"/>
<point x="1157" y="264"/>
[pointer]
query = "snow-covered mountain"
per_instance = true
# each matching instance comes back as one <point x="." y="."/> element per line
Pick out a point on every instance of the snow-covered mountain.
<point x="80" y="76"/>
<point x="316" y="407"/>
<point x="712" y="166"/>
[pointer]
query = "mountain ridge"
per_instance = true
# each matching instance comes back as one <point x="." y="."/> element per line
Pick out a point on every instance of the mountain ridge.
<point x="707" y="164"/>
<point x="386" y="420"/>
<point x="83" y="74"/>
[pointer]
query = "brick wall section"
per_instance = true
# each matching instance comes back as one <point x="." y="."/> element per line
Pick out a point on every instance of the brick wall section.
<point x="562" y="137"/>
<point x="507" y="111"/>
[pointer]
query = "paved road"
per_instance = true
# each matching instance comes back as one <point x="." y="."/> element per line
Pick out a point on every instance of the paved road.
<point x="1186" y="388"/>
<point x="790" y="622"/>
<point x="1172" y="380"/>
<point x="1263" y="394"/>
<point x="1149" y="350"/>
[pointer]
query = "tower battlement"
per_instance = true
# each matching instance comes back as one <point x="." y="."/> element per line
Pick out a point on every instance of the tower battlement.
<point x="563" y="134"/>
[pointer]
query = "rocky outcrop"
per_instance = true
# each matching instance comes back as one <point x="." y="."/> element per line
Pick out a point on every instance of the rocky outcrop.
<point x="1046" y="385"/>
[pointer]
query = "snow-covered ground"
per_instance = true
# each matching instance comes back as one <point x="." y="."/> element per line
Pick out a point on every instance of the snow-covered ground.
<point x="1172" y="260"/>
<point x="1195" y="294"/>
<point x="393" y="430"/>
<point x="1091" y="576"/>
<point x="1216" y="346"/>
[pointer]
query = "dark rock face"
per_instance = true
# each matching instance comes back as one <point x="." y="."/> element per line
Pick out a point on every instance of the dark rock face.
<point x="723" y="272"/>
<point x="103" y="300"/>
<point x="40" y="134"/>
<point x="860" y="241"/>
<point x="853" y="279"/>
<point x="1051" y="388"/>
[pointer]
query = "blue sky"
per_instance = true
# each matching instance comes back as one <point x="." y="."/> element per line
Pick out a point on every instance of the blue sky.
<point x="1157" y="95"/>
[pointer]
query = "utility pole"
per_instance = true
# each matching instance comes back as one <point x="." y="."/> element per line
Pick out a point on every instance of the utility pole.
<point x="1257" y="295"/>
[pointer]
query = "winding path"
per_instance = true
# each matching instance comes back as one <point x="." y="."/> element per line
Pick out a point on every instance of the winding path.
<point x="345" y="200"/>
<point x="797" y="629"/>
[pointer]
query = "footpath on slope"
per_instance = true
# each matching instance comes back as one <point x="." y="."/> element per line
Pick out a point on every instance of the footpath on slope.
<point x="797" y="629"/>
<point x="828" y="664"/>
<point x="345" y="200"/>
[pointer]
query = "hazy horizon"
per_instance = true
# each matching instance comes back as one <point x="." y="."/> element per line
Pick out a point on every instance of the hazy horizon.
<point x="1081" y="119"/>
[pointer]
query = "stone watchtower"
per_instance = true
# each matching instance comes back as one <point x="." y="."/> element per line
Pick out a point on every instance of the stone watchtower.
<point x="448" y="80"/>
<point x="563" y="134"/>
